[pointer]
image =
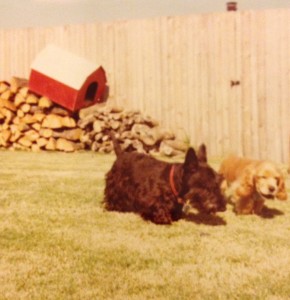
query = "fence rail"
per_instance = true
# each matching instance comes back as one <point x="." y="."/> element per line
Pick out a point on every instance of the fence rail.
<point x="222" y="79"/>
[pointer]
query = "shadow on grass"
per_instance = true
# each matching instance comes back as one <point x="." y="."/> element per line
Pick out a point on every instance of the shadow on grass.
<point x="270" y="213"/>
<point x="199" y="218"/>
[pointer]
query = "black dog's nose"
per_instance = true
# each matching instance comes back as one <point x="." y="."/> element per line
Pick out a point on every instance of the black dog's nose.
<point x="223" y="208"/>
<point x="222" y="204"/>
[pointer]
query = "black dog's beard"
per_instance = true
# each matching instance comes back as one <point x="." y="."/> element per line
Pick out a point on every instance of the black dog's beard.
<point x="202" y="201"/>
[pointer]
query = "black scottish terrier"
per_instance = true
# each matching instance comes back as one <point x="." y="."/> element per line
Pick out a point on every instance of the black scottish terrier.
<point x="158" y="190"/>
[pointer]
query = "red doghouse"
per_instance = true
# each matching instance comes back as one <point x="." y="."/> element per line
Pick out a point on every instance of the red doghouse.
<point x="67" y="79"/>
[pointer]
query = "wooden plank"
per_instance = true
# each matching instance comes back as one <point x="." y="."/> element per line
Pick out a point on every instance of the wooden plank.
<point x="273" y="79"/>
<point x="191" y="76"/>
<point x="235" y="87"/>
<point x="260" y="27"/>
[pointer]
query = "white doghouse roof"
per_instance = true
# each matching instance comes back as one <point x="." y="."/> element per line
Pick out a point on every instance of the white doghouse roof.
<point x="63" y="66"/>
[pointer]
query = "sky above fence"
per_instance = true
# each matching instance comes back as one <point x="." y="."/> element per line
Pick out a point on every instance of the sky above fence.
<point x="42" y="13"/>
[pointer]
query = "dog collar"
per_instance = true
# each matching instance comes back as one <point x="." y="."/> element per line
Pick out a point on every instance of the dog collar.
<point x="172" y="185"/>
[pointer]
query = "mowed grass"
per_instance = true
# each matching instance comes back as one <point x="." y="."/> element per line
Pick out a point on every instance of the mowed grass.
<point x="57" y="242"/>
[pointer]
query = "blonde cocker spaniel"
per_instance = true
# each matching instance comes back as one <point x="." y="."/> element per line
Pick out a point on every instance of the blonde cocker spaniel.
<point x="248" y="183"/>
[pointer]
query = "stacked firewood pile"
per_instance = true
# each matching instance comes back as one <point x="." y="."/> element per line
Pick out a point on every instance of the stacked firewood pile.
<point x="134" y="131"/>
<point x="32" y="122"/>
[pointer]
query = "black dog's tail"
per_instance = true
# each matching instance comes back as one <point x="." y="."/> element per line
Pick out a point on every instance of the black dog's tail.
<point x="117" y="147"/>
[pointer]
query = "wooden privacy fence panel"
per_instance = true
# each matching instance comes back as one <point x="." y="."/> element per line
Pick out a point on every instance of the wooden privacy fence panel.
<point x="222" y="79"/>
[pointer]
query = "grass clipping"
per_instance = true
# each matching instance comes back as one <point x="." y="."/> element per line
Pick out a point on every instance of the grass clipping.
<point x="57" y="242"/>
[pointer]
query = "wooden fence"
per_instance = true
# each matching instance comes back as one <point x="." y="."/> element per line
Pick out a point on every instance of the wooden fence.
<point x="222" y="79"/>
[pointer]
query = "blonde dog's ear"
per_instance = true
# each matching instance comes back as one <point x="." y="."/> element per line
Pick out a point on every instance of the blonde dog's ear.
<point x="246" y="183"/>
<point x="282" y="193"/>
<point x="224" y="186"/>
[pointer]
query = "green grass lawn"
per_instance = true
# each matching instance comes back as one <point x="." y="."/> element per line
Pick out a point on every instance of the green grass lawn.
<point x="57" y="242"/>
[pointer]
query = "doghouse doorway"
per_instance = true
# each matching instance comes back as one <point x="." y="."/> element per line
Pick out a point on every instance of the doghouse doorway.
<point x="91" y="92"/>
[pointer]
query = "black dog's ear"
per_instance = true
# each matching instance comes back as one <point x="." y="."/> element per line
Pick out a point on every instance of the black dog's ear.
<point x="191" y="161"/>
<point x="201" y="154"/>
